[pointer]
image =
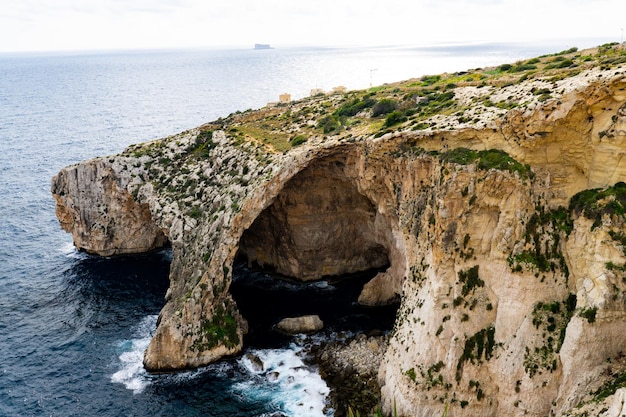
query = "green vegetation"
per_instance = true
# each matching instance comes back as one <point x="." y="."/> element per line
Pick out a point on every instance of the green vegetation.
<point x="356" y="106"/>
<point x="435" y="102"/>
<point x="221" y="329"/>
<point x="595" y="203"/>
<point x="379" y="413"/>
<point x="543" y="231"/>
<point x="203" y="145"/>
<point x="610" y="387"/>
<point x="297" y="140"/>
<point x="384" y="106"/>
<point x="619" y="237"/>
<point x="330" y="124"/>
<point x="394" y="118"/>
<point x="551" y="319"/>
<point x="486" y="160"/>
<point x="477" y="347"/>
<point x="195" y="212"/>
<point x="470" y="280"/>
<point x="589" y="314"/>
<point x="430" y="79"/>
<point x="269" y="133"/>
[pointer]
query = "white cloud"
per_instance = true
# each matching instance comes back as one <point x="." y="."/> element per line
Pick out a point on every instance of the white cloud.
<point x="78" y="24"/>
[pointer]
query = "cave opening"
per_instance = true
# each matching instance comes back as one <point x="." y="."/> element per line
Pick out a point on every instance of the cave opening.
<point x="311" y="252"/>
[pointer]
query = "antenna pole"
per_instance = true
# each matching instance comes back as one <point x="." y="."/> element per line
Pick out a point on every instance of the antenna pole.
<point x="376" y="69"/>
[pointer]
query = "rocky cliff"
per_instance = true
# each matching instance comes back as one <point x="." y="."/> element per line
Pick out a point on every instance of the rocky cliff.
<point x="492" y="200"/>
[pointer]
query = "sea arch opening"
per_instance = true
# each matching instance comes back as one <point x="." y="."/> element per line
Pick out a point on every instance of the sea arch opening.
<point x="320" y="230"/>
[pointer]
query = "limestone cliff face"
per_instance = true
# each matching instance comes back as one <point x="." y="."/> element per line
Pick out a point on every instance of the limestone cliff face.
<point x="510" y="282"/>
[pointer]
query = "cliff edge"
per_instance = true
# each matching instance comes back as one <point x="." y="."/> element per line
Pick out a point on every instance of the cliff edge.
<point x="492" y="200"/>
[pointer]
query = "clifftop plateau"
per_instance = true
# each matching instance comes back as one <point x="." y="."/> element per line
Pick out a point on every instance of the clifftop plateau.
<point x="492" y="200"/>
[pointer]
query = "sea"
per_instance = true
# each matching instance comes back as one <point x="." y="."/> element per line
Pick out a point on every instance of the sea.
<point x="73" y="327"/>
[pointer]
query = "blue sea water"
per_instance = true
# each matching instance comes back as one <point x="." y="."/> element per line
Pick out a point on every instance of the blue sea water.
<point x="73" y="327"/>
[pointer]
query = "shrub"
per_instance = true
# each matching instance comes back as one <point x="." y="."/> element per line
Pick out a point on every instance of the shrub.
<point x="394" y="118"/>
<point x="487" y="159"/>
<point x="436" y="103"/>
<point x="565" y="63"/>
<point x="500" y="160"/>
<point x="477" y="347"/>
<point x="355" y="106"/>
<point x="203" y="144"/>
<point x="330" y="123"/>
<point x="430" y="79"/>
<point x="298" y="140"/>
<point x="589" y="314"/>
<point x="523" y="67"/>
<point x="195" y="213"/>
<point x="470" y="280"/>
<point x="384" y="106"/>
<point x="594" y="203"/>
<point x="568" y="51"/>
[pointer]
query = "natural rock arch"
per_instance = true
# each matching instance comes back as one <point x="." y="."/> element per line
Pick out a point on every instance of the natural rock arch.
<point x="320" y="225"/>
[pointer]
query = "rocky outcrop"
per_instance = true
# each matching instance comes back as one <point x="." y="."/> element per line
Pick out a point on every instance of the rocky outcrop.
<point x="350" y="368"/>
<point x="93" y="203"/>
<point x="487" y="226"/>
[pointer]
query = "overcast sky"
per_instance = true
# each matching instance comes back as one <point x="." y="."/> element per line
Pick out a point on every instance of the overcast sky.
<point x="53" y="25"/>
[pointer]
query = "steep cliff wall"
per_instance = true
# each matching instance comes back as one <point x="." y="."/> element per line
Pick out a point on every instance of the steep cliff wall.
<point x="509" y="270"/>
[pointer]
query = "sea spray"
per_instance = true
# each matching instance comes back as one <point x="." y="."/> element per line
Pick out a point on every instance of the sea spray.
<point x="132" y="373"/>
<point x="69" y="251"/>
<point x="286" y="381"/>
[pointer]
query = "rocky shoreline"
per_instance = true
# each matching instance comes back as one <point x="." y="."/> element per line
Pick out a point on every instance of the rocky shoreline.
<point x="350" y="368"/>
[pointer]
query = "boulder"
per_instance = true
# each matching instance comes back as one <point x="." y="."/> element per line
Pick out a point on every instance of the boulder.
<point x="303" y="324"/>
<point x="255" y="362"/>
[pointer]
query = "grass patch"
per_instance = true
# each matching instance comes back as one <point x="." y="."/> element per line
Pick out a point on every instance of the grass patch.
<point x="267" y="135"/>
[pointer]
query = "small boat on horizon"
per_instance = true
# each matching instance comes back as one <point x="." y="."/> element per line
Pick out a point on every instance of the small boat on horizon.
<point x="262" y="46"/>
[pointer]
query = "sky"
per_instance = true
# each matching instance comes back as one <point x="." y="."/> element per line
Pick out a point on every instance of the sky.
<point x="65" y="25"/>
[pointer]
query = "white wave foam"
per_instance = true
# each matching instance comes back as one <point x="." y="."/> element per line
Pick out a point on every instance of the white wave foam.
<point x="132" y="373"/>
<point x="69" y="250"/>
<point x="286" y="382"/>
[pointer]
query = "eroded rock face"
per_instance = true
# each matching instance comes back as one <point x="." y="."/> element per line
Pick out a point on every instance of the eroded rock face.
<point x="93" y="203"/>
<point x="510" y="305"/>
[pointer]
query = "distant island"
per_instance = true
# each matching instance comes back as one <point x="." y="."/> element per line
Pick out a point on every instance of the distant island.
<point x="262" y="46"/>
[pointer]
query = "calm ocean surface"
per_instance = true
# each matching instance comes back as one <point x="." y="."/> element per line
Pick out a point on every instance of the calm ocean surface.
<point x="73" y="327"/>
